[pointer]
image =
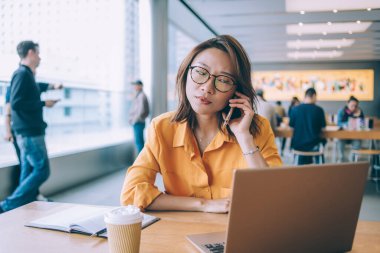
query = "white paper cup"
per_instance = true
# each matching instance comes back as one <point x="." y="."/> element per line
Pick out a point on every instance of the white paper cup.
<point x="124" y="229"/>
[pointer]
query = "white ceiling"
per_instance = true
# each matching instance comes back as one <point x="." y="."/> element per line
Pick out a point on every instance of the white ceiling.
<point x="261" y="26"/>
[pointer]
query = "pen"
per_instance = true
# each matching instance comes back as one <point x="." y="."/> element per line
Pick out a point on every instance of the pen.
<point x="99" y="232"/>
<point x="228" y="117"/>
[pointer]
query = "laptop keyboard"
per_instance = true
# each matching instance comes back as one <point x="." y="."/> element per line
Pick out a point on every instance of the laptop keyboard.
<point x="215" y="247"/>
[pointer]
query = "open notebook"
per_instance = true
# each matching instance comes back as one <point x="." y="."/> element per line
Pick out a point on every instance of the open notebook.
<point x="88" y="220"/>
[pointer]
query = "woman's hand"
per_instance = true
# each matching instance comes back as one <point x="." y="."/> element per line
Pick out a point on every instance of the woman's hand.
<point x="240" y="126"/>
<point x="216" y="205"/>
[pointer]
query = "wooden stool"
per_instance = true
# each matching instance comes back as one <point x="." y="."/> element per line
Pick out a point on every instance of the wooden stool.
<point x="313" y="154"/>
<point x="374" y="156"/>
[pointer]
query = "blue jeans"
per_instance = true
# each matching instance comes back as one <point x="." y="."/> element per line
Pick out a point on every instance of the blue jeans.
<point x="302" y="160"/>
<point x="138" y="131"/>
<point x="34" y="171"/>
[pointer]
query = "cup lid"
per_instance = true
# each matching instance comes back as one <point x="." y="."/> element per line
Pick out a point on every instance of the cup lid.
<point x="124" y="215"/>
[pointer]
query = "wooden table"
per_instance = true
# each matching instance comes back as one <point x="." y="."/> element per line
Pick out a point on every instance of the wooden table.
<point x="167" y="235"/>
<point x="371" y="134"/>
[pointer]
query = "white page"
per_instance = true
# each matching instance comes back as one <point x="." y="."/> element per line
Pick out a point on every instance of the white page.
<point x="64" y="218"/>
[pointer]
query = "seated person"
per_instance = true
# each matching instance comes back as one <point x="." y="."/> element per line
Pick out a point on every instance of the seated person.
<point x="350" y="110"/>
<point x="280" y="112"/>
<point x="190" y="147"/>
<point x="307" y="121"/>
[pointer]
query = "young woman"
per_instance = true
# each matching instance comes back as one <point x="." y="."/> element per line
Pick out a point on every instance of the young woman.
<point x="191" y="147"/>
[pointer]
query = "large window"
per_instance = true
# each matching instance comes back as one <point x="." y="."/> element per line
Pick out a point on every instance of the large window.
<point x="180" y="45"/>
<point x="89" y="46"/>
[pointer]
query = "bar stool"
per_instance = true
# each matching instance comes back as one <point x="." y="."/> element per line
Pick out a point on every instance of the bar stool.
<point x="374" y="156"/>
<point x="313" y="154"/>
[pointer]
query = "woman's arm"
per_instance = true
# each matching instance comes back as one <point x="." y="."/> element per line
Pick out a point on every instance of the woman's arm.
<point x="166" y="202"/>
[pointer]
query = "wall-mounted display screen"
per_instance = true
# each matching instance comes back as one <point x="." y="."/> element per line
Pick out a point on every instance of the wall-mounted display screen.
<point x="331" y="85"/>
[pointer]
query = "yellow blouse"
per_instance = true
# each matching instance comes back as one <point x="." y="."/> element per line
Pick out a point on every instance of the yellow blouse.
<point x="171" y="149"/>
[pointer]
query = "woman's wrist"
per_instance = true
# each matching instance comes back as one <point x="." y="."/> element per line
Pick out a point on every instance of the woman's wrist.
<point x="246" y="142"/>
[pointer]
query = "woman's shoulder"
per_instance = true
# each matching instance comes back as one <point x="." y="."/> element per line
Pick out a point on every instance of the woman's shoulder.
<point x="164" y="120"/>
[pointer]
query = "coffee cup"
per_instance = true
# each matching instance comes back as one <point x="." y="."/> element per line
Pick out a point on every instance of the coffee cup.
<point x="124" y="229"/>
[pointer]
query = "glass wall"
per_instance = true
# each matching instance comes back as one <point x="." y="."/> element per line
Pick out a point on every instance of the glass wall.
<point x="89" y="46"/>
<point x="179" y="46"/>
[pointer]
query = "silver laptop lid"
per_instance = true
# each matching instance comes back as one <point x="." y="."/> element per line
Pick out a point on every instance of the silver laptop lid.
<point x="312" y="208"/>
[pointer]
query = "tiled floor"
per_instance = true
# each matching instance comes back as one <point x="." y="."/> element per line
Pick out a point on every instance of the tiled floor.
<point x="106" y="191"/>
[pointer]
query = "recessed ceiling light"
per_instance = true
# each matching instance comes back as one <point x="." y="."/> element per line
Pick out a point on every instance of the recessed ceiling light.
<point x="329" y="23"/>
<point x="300" y="24"/>
<point x="326" y="6"/>
<point x="369" y="9"/>
<point x="335" y="10"/>
<point x="302" y="12"/>
<point x="319" y="28"/>
<point x="328" y="43"/>
<point x="314" y="54"/>
<point x="358" y="22"/>
<point x="324" y="33"/>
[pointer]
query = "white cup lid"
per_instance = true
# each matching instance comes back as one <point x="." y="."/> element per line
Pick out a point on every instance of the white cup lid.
<point x="124" y="215"/>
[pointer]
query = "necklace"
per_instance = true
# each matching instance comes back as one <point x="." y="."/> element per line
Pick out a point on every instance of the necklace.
<point x="203" y="141"/>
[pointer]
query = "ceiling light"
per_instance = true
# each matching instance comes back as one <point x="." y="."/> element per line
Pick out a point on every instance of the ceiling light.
<point x="358" y="22"/>
<point x="302" y="12"/>
<point x="300" y="24"/>
<point x="349" y="32"/>
<point x="324" y="33"/>
<point x="314" y="54"/>
<point x="326" y="6"/>
<point x="328" y="23"/>
<point x="369" y="9"/>
<point x="319" y="28"/>
<point x="319" y="43"/>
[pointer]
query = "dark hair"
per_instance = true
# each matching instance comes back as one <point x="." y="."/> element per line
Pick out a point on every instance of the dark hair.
<point x="294" y="101"/>
<point x="310" y="92"/>
<point x="242" y="74"/>
<point x="352" y="98"/>
<point x="278" y="102"/>
<point x="24" y="46"/>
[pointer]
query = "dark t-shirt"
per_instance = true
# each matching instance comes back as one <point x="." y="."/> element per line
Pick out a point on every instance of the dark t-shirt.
<point x="307" y="121"/>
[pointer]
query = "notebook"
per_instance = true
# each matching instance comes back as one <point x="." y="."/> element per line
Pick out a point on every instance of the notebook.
<point x="311" y="208"/>
<point x="87" y="220"/>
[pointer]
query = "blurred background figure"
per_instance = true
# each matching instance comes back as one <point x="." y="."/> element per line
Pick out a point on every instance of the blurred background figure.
<point x="265" y="109"/>
<point x="28" y="125"/>
<point x="307" y="120"/>
<point x="280" y="112"/>
<point x="351" y="112"/>
<point x="294" y="102"/>
<point x="138" y="113"/>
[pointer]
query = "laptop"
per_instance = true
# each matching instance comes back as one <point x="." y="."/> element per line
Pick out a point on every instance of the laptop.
<point x="311" y="208"/>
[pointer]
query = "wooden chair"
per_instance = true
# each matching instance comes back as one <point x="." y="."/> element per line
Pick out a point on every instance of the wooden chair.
<point x="314" y="154"/>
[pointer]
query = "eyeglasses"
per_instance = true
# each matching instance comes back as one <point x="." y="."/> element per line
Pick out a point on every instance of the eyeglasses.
<point x="221" y="83"/>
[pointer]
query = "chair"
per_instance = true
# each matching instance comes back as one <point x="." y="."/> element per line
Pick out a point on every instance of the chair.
<point x="374" y="156"/>
<point x="313" y="154"/>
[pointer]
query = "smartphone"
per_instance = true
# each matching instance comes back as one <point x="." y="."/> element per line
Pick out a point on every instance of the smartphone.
<point x="231" y="113"/>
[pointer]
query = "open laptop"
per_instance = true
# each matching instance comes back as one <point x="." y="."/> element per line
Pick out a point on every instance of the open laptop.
<point x="312" y="208"/>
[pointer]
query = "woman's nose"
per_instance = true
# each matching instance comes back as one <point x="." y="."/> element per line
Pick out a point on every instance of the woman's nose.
<point x="208" y="87"/>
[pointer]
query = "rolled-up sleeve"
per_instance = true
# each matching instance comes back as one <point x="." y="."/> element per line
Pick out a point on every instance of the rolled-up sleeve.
<point x="139" y="188"/>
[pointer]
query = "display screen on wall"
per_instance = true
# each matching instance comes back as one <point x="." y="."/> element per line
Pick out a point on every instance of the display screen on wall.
<point x="331" y="85"/>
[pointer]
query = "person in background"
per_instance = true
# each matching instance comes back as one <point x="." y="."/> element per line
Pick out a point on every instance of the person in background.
<point x="294" y="102"/>
<point x="353" y="111"/>
<point x="308" y="121"/>
<point x="28" y="126"/>
<point x="280" y="114"/>
<point x="192" y="148"/>
<point x="138" y="113"/>
<point x="265" y="109"/>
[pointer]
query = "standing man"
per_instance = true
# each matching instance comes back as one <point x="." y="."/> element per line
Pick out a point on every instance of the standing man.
<point x="28" y="125"/>
<point x="138" y="113"/>
<point x="307" y="120"/>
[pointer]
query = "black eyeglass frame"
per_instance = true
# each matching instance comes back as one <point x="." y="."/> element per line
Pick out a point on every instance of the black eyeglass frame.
<point x="209" y="76"/>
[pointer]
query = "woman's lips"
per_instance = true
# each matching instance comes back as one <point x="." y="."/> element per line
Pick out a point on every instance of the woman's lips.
<point x="203" y="100"/>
